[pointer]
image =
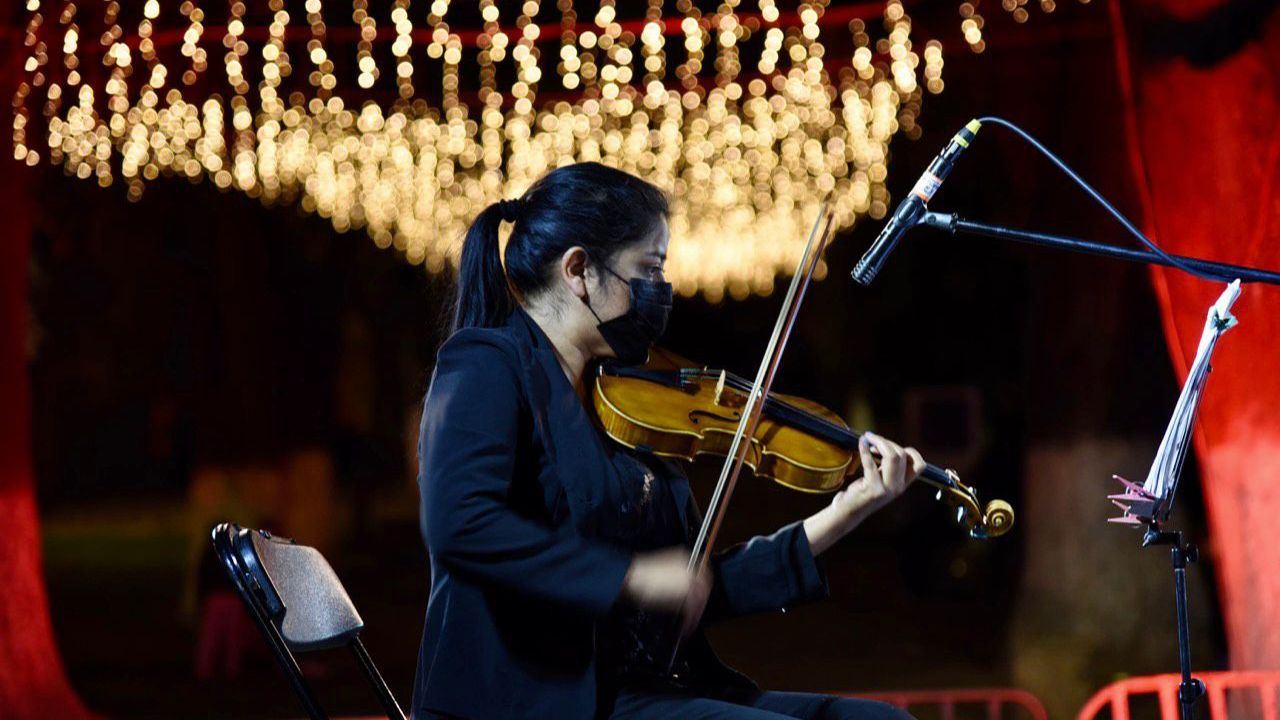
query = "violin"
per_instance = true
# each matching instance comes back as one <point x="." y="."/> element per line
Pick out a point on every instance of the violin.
<point x="672" y="407"/>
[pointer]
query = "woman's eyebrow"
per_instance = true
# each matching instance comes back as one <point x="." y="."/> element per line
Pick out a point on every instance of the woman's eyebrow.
<point x="660" y="256"/>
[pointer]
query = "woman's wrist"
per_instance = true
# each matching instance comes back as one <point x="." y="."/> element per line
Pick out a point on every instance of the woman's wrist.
<point x="828" y="525"/>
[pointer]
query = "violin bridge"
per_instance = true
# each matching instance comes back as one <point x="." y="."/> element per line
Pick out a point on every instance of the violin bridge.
<point x="719" y="387"/>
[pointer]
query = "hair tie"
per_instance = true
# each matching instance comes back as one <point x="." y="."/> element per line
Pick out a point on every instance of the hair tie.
<point x="509" y="210"/>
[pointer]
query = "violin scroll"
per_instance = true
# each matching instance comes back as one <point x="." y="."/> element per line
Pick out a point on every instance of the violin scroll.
<point x="998" y="518"/>
<point x="992" y="521"/>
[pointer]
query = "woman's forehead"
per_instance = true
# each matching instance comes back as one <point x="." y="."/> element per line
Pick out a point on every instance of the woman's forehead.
<point x="654" y="246"/>
<point x="657" y="243"/>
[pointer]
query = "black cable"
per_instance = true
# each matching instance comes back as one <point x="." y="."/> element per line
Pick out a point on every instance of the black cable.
<point x="1096" y="196"/>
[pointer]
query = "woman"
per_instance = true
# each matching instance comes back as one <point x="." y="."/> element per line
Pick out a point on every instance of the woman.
<point x="559" y="557"/>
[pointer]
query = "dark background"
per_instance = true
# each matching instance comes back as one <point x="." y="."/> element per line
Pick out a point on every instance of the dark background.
<point x="195" y="336"/>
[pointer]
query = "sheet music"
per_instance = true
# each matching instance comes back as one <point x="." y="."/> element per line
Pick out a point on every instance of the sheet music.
<point x="1151" y="502"/>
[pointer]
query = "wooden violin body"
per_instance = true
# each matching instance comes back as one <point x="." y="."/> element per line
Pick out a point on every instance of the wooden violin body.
<point x="673" y="407"/>
<point x="695" y="412"/>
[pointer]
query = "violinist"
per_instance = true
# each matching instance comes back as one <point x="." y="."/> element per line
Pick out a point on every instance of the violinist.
<point x="560" y="558"/>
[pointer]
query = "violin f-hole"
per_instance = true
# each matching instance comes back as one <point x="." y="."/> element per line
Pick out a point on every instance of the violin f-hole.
<point x="695" y="414"/>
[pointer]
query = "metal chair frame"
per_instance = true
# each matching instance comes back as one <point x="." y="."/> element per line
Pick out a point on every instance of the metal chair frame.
<point x="234" y="548"/>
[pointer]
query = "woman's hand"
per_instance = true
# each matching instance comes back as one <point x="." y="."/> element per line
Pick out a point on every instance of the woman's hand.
<point x="661" y="580"/>
<point x="883" y="479"/>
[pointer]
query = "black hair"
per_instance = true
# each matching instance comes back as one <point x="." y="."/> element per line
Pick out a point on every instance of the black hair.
<point x="600" y="208"/>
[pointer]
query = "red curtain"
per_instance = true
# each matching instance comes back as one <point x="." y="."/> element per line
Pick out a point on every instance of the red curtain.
<point x="32" y="682"/>
<point x="1202" y="82"/>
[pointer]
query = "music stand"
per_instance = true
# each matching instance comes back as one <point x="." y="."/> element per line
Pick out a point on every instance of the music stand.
<point x="1143" y="505"/>
<point x="1149" y="504"/>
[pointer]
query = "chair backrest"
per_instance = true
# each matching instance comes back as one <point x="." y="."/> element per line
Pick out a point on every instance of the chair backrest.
<point x="298" y="603"/>
<point x="301" y="591"/>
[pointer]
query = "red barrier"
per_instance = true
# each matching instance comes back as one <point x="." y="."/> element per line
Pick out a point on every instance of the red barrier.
<point x="1165" y="687"/>
<point x="994" y="699"/>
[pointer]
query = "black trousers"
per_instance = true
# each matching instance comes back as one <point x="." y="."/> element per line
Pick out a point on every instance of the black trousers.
<point x="759" y="705"/>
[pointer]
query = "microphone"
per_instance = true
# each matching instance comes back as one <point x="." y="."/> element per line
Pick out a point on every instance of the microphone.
<point x="913" y="207"/>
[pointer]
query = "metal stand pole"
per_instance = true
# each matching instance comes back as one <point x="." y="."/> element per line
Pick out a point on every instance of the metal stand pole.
<point x="1182" y="554"/>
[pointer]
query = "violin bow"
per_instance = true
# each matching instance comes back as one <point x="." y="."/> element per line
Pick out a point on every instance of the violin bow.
<point x="754" y="407"/>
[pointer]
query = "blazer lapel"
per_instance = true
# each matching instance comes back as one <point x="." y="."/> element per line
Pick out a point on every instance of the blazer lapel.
<point x="561" y="422"/>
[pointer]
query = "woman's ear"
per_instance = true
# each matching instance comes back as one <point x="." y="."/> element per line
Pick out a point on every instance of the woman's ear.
<point x="573" y="270"/>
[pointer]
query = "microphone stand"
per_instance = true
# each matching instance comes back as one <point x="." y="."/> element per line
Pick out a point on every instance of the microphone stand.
<point x="1219" y="320"/>
<point x="1183" y="553"/>
<point x="955" y="224"/>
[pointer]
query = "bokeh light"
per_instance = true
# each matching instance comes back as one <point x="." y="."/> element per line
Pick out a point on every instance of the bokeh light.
<point x="405" y="118"/>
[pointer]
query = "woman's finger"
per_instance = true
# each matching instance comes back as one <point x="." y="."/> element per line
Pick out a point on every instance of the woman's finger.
<point x="869" y="468"/>
<point x="903" y="467"/>
<point x="917" y="463"/>
<point x="891" y="463"/>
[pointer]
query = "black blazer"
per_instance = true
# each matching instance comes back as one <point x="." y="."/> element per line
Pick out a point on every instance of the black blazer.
<point x="510" y="515"/>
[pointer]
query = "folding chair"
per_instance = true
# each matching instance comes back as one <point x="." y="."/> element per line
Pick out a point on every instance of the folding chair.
<point x="299" y="604"/>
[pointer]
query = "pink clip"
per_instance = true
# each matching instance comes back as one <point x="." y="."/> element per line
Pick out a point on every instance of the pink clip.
<point x="1133" y="496"/>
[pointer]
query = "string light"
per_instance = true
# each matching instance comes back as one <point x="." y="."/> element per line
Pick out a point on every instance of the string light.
<point x="401" y="48"/>
<point x="973" y="22"/>
<point x="738" y="112"/>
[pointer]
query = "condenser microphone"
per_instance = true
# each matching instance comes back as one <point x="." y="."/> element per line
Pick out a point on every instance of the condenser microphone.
<point x="913" y="207"/>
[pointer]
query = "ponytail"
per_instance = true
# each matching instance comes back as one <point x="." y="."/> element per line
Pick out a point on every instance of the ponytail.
<point x="483" y="298"/>
<point x="596" y="207"/>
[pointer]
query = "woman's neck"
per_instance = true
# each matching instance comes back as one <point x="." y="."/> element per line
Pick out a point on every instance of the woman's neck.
<point x="569" y="351"/>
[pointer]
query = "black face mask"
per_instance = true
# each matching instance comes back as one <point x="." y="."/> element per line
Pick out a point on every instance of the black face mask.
<point x="632" y="333"/>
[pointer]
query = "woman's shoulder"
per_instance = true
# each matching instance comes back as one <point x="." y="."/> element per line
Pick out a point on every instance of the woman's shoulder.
<point x="480" y="344"/>
<point x="480" y="366"/>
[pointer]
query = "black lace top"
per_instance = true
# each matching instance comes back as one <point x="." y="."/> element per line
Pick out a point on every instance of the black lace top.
<point x="634" y="646"/>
